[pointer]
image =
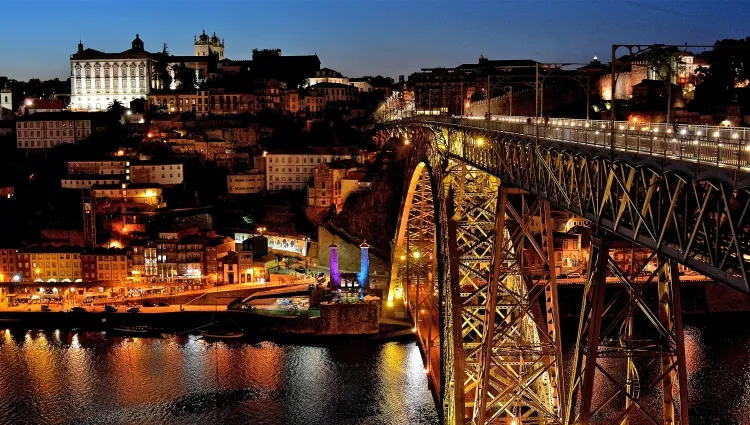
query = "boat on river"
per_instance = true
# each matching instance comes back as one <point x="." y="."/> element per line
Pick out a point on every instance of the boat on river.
<point x="222" y="334"/>
<point x="137" y="330"/>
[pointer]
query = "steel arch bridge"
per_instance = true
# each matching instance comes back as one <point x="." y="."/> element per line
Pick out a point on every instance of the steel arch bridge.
<point x="481" y="286"/>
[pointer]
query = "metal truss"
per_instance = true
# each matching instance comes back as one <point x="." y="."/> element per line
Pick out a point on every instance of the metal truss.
<point x="498" y="321"/>
<point x="631" y="347"/>
<point x="702" y="223"/>
<point x="520" y="364"/>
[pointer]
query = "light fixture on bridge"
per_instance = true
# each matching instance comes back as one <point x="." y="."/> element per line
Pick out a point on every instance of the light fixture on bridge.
<point x="416" y="254"/>
<point x="480" y="141"/>
<point x="683" y="131"/>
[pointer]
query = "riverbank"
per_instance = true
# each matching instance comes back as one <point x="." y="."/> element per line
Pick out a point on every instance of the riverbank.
<point x="336" y="320"/>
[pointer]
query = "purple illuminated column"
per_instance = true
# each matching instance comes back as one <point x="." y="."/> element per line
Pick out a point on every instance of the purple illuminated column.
<point x="333" y="260"/>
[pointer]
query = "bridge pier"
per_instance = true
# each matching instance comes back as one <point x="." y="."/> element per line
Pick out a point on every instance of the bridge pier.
<point x="630" y="347"/>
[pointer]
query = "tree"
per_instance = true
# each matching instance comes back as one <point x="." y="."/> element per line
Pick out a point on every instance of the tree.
<point x="185" y="77"/>
<point x="116" y="110"/>
<point x="725" y="77"/>
<point x="477" y="96"/>
<point x="162" y="67"/>
<point x="288" y="262"/>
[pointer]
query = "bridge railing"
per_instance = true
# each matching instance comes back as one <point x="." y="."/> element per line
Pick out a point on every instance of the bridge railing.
<point x="714" y="145"/>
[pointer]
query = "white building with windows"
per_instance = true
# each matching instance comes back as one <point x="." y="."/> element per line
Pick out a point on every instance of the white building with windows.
<point x="246" y="183"/>
<point x="157" y="173"/>
<point x="286" y="170"/>
<point x="45" y="130"/>
<point x="97" y="79"/>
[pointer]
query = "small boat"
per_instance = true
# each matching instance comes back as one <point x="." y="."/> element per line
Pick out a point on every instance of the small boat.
<point x="219" y="334"/>
<point x="137" y="330"/>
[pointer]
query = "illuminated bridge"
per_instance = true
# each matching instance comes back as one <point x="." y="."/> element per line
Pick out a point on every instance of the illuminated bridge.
<point x="487" y="317"/>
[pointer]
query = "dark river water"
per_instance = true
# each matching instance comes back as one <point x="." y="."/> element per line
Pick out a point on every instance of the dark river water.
<point x="57" y="377"/>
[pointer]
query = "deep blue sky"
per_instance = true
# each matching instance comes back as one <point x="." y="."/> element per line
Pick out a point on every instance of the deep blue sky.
<point x="360" y="37"/>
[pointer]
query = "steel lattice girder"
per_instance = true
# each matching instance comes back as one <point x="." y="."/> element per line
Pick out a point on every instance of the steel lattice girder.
<point x="522" y="372"/>
<point x="649" y="359"/>
<point x="701" y="223"/>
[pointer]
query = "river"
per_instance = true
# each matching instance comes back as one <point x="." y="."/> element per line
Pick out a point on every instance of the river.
<point x="58" y="377"/>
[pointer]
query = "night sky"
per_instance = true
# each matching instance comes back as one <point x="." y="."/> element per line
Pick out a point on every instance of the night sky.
<point x="360" y="37"/>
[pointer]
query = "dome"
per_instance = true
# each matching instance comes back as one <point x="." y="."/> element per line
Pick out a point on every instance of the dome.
<point x="203" y="37"/>
<point x="137" y="43"/>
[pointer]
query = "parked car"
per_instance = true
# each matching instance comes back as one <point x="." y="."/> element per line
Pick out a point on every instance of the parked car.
<point x="77" y="309"/>
<point x="134" y="309"/>
<point x="562" y="276"/>
<point x="148" y="304"/>
<point x="110" y="308"/>
<point x="46" y="308"/>
<point x="574" y="275"/>
<point x="163" y="304"/>
<point x="300" y="270"/>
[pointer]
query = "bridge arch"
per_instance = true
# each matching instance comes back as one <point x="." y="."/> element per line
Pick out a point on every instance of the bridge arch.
<point x="697" y="215"/>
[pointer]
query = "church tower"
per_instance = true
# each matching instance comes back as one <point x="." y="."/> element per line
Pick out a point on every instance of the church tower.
<point x="203" y="45"/>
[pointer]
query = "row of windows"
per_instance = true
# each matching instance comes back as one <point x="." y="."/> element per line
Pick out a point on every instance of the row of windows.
<point x="307" y="170"/>
<point x="41" y="143"/>
<point x="51" y="133"/>
<point x="53" y="124"/>
<point x="282" y="160"/>
<point x="97" y="70"/>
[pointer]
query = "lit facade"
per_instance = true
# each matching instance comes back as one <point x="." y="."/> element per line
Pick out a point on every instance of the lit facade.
<point x="196" y="103"/>
<point x="327" y="75"/>
<point x="326" y="188"/>
<point x="87" y="182"/>
<point x="204" y="45"/>
<point x="294" y="170"/>
<point x="49" y="129"/>
<point x="161" y="174"/>
<point x="245" y="183"/>
<point x="50" y="264"/>
<point x="106" y="265"/>
<point x="131" y="194"/>
<point x="97" y="79"/>
<point x="104" y="168"/>
<point x="8" y="264"/>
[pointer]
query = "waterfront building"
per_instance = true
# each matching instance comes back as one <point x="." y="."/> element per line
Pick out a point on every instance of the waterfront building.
<point x="215" y="249"/>
<point x="8" y="265"/>
<point x="349" y="287"/>
<point x="98" y="78"/>
<point x="108" y="265"/>
<point x="50" y="264"/>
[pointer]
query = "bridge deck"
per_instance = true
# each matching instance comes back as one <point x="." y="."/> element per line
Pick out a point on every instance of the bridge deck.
<point x="726" y="147"/>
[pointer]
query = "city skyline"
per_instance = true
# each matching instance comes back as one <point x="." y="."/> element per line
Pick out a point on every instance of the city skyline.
<point x="366" y="38"/>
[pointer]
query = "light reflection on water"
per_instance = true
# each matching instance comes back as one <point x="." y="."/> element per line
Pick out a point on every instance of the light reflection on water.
<point x="88" y="378"/>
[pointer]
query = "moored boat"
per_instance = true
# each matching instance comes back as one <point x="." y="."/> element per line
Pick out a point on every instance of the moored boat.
<point x="137" y="330"/>
<point x="220" y="334"/>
